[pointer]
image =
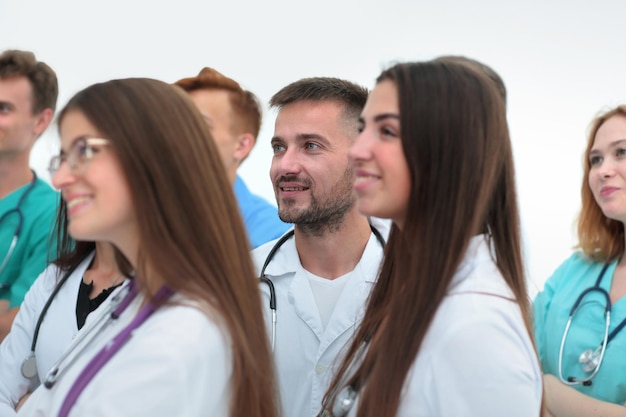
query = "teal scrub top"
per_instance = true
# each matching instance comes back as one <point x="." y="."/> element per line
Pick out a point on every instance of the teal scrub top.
<point x="35" y="247"/>
<point x="552" y="307"/>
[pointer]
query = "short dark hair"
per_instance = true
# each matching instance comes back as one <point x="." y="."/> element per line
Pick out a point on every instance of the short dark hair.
<point x="42" y="78"/>
<point x="352" y="96"/>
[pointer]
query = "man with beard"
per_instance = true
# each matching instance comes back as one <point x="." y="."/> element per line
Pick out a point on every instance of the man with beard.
<point x="322" y="272"/>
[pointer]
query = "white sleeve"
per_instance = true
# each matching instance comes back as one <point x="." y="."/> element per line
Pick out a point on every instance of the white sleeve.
<point x="486" y="367"/>
<point x="17" y="345"/>
<point x="178" y="364"/>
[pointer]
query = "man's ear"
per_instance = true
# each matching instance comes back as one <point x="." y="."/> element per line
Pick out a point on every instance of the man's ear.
<point x="244" y="145"/>
<point x="42" y="121"/>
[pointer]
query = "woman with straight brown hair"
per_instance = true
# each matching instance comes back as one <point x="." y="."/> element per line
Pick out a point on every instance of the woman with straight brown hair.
<point x="446" y="331"/>
<point x="138" y="168"/>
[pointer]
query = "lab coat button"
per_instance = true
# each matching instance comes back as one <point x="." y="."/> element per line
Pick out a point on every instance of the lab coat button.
<point x="320" y="369"/>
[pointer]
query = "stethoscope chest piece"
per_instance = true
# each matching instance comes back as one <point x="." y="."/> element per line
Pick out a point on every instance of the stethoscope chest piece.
<point x="344" y="401"/>
<point x="590" y="359"/>
<point x="29" y="366"/>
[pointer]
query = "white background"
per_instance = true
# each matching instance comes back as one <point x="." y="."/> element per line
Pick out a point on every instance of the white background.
<point x="562" y="62"/>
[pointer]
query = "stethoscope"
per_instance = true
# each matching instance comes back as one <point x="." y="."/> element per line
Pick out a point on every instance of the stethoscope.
<point x="29" y="365"/>
<point x="344" y="396"/>
<point x="590" y="360"/>
<point x="122" y="301"/>
<point x="18" y="228"/>
<point x="264" y="279"/>
<point x="119" y="303"/>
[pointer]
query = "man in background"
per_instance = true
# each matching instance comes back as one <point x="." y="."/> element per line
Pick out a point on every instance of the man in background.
<point x="234" y="118"/>
<point x="28" y="96"/>
<point x="323" y="272"/>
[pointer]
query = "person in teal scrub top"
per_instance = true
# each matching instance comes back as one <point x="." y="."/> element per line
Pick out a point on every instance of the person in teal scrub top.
<point x="28" y="95"/>
<point x="590" y="282"/>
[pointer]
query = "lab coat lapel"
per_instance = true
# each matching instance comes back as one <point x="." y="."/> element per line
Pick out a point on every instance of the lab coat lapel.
<point x="349" y="310"/>
<point x="301" y="296"/>
<point x="351" y="305"/>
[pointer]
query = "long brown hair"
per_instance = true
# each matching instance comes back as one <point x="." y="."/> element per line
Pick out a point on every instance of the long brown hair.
<point x="600" y="238"/>
<point x="456" y="142"/>
<point x="190" y="230"/>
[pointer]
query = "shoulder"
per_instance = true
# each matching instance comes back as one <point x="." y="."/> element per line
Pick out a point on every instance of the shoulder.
<point x="179" y="353"/>
<point x="247" y="199"/>
<point x="47" y="280"/>
<point x="285" y="253"/>
<point x="42" y="201"/>
<point x="480" y="307"/>
<point x="492" y="334"/>
<point x="578" y="260"/>
<point x="183" y="332"/>
<point x="484" y="365"/>
<point x="43" y="191"/>
<point x="260" y="253"/>
<point x="197" y="322"/>
<point x="574" y="268"/>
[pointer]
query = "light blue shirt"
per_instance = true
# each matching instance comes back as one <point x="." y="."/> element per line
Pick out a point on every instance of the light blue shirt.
<point x="260" y="217"/>
<point x="552" y="308"/>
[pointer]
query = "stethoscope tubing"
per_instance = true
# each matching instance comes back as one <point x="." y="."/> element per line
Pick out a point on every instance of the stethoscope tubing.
<point x="113" y="346"/>
<point x="264" y="279"/>
<point x="119" y="302"/>
<point x="605" y="340"/>
<point x="29" y="365"/>
<point x="46" y="307"/>
<point x="18" y="228"/>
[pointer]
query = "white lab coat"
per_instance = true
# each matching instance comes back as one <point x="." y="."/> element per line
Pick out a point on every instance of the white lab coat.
<point x="306" y="354"/>
<point x="55" y="334"/>
<point x="477" y="358"/>
<point x="177" y="363"/>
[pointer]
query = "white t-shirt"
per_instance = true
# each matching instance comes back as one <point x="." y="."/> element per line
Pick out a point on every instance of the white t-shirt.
<point x="326" y="293"/>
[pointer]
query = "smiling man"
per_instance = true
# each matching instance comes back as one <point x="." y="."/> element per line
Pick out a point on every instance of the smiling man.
<point x="323" y="272"/>
<point x="28" y="95"/>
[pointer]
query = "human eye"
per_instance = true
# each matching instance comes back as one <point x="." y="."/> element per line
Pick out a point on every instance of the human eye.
<point x="278" y="147"/>
<point x="595" y="160"/>
<point x="360" y="126"/>
<point x="311" y="146"/>
<point x="388" y="132"/>
<point x="620" y="152"/>
<point x="5" y="107"/>
<point x="80" y="150"/>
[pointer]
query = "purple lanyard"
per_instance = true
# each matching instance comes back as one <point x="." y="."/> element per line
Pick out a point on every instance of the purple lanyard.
<point x="112" y="347"/>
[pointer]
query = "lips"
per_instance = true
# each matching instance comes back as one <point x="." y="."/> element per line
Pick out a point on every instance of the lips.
<point x="364" y="179"/>
<point x="607" y="191"/>
<point x="291" y="185"/>
<point x="292" y="188"/>
<point x="360" y="179"/>
<point x="74" y="202"/>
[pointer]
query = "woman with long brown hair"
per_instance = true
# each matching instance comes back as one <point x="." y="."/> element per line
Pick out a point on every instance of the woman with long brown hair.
<point x="446" y="331"/>
<point x="139" y="169"/>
